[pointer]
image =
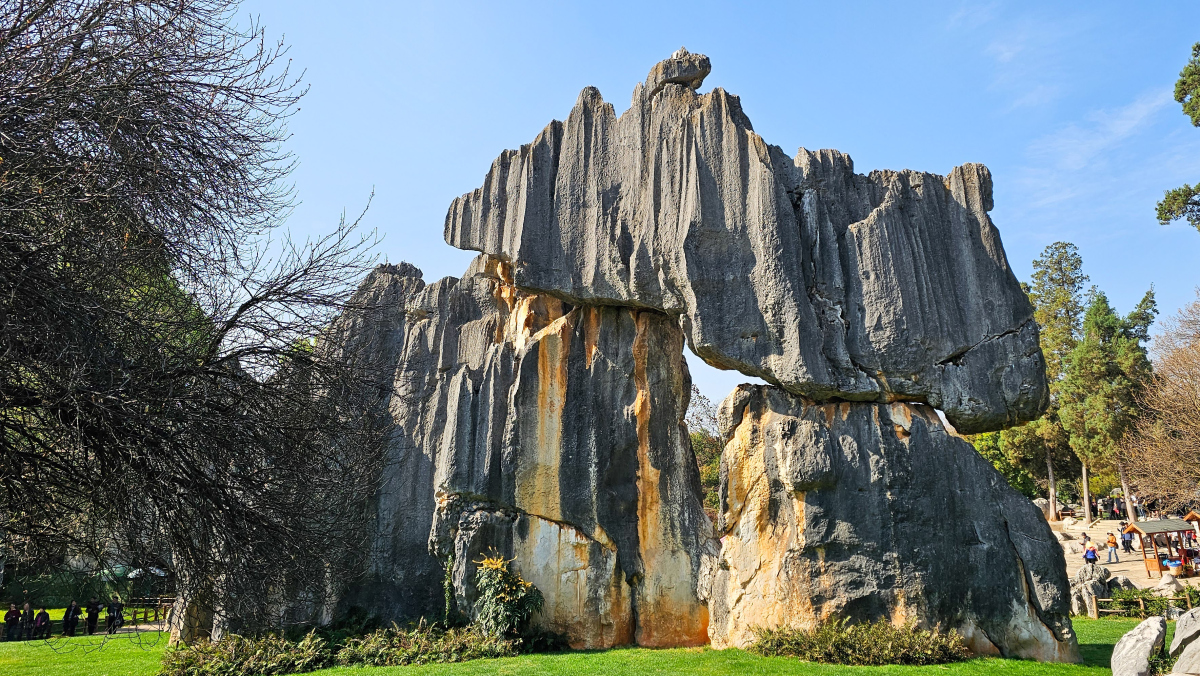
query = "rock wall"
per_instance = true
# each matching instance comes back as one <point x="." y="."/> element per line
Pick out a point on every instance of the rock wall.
<point x="877" y="511"/>
<point x="554" y="435"/>
<point x="889" y="286"/>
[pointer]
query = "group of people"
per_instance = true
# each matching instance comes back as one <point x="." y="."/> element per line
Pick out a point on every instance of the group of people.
<point x="1091" y="551"/>
<point x="24" y="624"/>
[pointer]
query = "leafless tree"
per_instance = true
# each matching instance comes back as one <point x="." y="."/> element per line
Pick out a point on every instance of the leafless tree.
<point x="1163" y="455"/>
<point x="171" y="391"/>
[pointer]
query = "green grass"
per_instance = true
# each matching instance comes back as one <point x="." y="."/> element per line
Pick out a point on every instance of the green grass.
<point x="125" y="656"/>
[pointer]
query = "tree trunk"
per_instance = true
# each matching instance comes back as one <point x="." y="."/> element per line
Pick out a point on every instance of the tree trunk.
<point x="1087" y="497"/>
<point x="1130" y="512"/>
<point x="1053" y="493"/>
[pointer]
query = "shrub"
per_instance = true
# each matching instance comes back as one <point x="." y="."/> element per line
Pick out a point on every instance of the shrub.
<point x="506" y="602"/>
<point x="423" y="644"/>
<point x="1127" y="601"/>
<point x="239" y="656"/>
<point x="869" y="644"/>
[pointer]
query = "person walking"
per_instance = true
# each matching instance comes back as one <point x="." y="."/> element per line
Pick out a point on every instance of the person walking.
<point x="93" y="615"/>
<point x="12" y="623"/>
<point x="1112" y="549"/>
<point x="70" y="619"/>
<point x="112" y="619"/>
<point x="27" y="622"/>
<point x="1090" y="555"/>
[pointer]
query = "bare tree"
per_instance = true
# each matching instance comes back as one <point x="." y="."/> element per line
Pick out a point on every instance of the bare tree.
<point x="171" y="391"/>
<point x="1162" y="457"/>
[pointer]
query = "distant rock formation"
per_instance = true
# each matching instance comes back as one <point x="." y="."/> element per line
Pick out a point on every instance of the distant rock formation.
<point x="539" y="400"/>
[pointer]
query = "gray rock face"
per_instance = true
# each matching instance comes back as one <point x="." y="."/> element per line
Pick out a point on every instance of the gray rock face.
<point x="1187" y="628"/>
<point x="830" y="284"/>
<point x="552" y="435"/>
<point x="1131" y="656"/>
<point x="1189" y="660"/>
<point x="876" y="511"/>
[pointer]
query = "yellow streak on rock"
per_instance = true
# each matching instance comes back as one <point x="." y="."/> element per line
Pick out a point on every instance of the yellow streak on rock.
<point x="537" y="481"/>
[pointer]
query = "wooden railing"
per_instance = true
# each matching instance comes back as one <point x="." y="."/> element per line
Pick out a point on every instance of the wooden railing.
<point x="1094" y="609"/>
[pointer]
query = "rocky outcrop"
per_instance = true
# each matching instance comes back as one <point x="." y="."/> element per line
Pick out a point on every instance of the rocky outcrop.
<point x="553" y="435"/>
<point x="539" y="400"/>
<point x="831" y="284"/>
<point x="1131" y="655"/>
<point x="877" y="511"/>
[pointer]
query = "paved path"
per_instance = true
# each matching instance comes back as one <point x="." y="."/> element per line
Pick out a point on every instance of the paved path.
<point x="1130" y="566"/>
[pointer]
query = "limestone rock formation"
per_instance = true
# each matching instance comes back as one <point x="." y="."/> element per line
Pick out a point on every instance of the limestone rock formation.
<point x="539" y="400"/>
<point x="553" y="435"/>
<point x="830" y="284"/>
<point x="877" y="511"/>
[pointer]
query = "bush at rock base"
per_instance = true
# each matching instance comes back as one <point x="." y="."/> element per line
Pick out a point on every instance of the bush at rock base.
<point x="395" y="646"/>
<point x="870" y="644"/>
<point x="240" y="656"/>
<point x="506" y="602"/>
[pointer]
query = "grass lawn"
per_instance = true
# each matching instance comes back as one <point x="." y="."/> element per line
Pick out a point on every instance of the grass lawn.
<point x="126" y="656"/>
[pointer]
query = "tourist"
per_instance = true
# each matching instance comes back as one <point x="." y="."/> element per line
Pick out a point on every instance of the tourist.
<point x="70" y="619"/>
<point x="12" y="623"/>
<point x="1112" y="549"/>
<point x="93" y="615"/>
<point x="112" y="619"/>
<point x="27" y="620"/>
<point x="1127" y="542"/>
<point x="1090" y="554"/>
<point x="41" y="624"/>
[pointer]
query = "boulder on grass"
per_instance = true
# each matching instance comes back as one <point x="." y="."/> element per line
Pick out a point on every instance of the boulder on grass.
<point x="1187" y="628"/>
<point x="1131" y="656"/>
<point x="1120" y="582"/>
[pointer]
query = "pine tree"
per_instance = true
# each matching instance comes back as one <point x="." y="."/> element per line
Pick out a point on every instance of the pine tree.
<point x="1184" y="201"/>
<point x="1103" y="377"/>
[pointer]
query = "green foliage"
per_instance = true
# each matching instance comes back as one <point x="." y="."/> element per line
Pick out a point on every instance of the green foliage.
<point x="1056" y="293"/>
<point x="1184" y="202"/>
<point x="1187" y="88"/>
<point x="869" y="644"/>
<point x="989" y="446"/>
<point x="1130" y="601"/>
<point x="1105" y="373"/>
<point x="708" y="461"/>
<point x="424" y="644"/>
<point x="506" y="602"/>
<point x="239" y="656"/>
<point x="448" y="612"/>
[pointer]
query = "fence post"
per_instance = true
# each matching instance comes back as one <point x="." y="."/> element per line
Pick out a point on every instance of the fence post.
<point x="1142" y="603"/>
<point x="1092" y="607"/>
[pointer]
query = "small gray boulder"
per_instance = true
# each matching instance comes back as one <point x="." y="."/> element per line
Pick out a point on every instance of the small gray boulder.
<point x="1131" y="656"/>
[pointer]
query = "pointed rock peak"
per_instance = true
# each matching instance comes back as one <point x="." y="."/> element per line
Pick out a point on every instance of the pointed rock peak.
<point x="682" y="68"/>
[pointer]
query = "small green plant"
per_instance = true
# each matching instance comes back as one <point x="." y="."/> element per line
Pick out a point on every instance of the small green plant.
<point x="239" y="656"/>
<point x="448" y="591"/>
<point x="1161" y="663"/>
<point x="868" y="644"/>
<point x="506" y="602"/>
<point x="423" y="644"/>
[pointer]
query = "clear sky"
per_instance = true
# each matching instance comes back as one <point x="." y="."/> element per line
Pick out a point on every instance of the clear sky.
<point x="1069" y="104"/>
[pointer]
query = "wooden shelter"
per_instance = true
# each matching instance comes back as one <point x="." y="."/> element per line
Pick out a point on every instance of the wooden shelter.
<point x="1166" y="540"/>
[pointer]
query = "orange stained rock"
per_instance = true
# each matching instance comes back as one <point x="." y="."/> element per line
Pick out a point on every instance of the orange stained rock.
<point x="668" y="612"/>
<point x="537" y="480"/>
<point x="585" y="599"/>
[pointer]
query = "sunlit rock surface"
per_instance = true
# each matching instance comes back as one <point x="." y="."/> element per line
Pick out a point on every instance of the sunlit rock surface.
<point x="877" y="511"/>
<point x="553" y="435"/>
<point x="880" y="287"/>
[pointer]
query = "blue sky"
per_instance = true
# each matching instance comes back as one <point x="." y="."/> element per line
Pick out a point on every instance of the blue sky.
<point x="1069" y="106"/>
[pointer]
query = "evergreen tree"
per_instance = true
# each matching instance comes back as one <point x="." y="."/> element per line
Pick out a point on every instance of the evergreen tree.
<point x="1184" y="201"/>
<point x="1104" y="375"/>
<point x="1041" y="446"/>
